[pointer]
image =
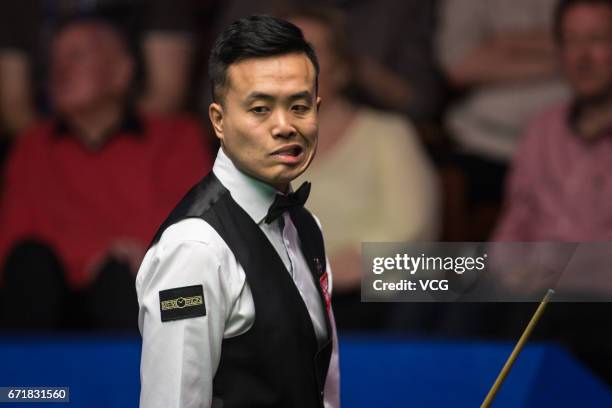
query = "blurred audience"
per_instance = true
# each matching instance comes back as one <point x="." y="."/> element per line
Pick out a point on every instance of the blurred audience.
<point x="372" y="181"/>
<point x="163" y="34"/>
<point x="499" y="57"/>
<point x="501" y="52"/>
<point x="86" y="189"/>
<point x="395" y="66"/>
<point x="560" y="180"/>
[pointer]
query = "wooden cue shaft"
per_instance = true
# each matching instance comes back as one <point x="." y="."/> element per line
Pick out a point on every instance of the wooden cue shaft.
<point x="517" y="349"/>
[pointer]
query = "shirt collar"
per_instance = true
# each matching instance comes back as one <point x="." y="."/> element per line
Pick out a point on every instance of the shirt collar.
<point x="573" y="112"/>
<point x="254" y="196"/>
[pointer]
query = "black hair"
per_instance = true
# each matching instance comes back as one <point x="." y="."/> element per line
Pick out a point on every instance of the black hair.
<point x="563" y="6"/>
<point x="255" y="37"/>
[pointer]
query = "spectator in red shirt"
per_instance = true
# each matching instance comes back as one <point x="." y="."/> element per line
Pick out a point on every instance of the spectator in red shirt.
<point x="86" y="190"/>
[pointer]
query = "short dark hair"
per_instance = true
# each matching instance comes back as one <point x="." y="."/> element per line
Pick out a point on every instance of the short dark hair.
<point x="255" y="37"/>
<point x="563" y="6"/>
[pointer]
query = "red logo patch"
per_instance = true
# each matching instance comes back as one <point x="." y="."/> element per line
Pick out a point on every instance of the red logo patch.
<point x="324" y="282"/>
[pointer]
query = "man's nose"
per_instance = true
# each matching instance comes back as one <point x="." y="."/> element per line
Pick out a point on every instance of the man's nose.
<point x="282" y="125"/>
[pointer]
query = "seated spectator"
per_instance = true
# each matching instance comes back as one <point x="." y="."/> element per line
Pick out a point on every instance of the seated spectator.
<point x="372" y="180"/>
<point x="86" y="190"/>
<point x="560" y="180"/>
<point x="161" y="31"/>
<point x="560" y="183"/>
<point x="502" y="53"/>
<point x="499" y="57"/>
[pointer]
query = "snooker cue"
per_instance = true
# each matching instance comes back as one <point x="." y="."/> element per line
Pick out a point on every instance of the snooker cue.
<point x="517" y="349"/>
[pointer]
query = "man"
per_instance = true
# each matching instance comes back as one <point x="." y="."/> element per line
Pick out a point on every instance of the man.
<point x="560" y="186"/>
<point x="85" y="191"/>
<point x="234" y="293"/>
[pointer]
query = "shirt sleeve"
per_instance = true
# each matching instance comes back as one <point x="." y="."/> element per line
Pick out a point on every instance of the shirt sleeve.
<point x="180" y="357"/>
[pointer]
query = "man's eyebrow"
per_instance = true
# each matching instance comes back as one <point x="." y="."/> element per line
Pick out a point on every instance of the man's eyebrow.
<point x="253" y="96"/>
<point x="301" y="95"/>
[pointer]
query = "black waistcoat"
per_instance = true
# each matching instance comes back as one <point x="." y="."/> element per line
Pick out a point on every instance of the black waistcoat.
<point x="278" y="362"/>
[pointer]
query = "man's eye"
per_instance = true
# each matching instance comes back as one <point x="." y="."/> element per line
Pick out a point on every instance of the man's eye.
<point x="300" y="108"/>
<point x="259" y="110"/>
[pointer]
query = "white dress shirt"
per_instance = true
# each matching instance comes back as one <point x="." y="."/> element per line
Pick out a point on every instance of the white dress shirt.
<point x="180" y="358"/>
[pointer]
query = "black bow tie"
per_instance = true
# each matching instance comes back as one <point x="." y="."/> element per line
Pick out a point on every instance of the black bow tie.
<point x="285" y="202"/>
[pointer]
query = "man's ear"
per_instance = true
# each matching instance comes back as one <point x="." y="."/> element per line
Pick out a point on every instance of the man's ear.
<point x="318" y="103"/>
<point x="215" y="113"/>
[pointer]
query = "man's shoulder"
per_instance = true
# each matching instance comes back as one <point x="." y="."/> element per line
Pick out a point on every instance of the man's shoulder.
<point x="37" y="134"/>
<point x="551" y="119"/>
<point x="188" y="252"/>
<point x="190" y="237"/>
<point x="32" y="145"/>
<point x="552" y="114"/>
<point x="549" y="125"/>
<point x="191" y="229"/>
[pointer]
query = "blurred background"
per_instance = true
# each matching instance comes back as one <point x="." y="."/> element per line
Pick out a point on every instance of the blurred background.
<point x="441" y="120"/>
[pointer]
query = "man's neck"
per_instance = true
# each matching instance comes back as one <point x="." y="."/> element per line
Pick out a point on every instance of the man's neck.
<point x="282" y="188"/>
<point x="594" y="118"/>
<point x="92" y="127"/>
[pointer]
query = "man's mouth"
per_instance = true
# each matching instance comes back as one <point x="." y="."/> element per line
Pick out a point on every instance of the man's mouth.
<point x="290" y="150"/>
<point x="292" y="153"/>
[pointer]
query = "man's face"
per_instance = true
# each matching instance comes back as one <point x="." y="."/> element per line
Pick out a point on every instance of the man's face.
<point x="268" y="120"/>
<point x="85" y="68"/>
<point x="586" y="49"/>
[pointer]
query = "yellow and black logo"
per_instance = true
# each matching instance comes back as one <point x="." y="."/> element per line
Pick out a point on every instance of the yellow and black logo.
<point x="182" y="303"/>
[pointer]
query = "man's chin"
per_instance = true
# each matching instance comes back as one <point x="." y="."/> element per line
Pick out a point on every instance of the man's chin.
<point x="281" y="182"/>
